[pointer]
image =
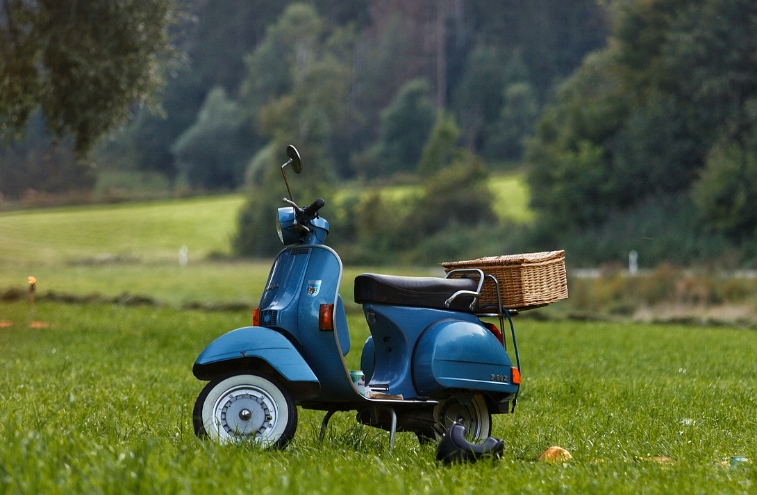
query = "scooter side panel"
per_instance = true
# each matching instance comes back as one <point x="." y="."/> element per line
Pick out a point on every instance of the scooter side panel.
<point x="459" y="354"/>
<point x="302" y="278"/>
<point x="325" y="350"/>
<point x="395" y="330"/>
<point x="256" y="342"/>
<point x="283" y="288"/>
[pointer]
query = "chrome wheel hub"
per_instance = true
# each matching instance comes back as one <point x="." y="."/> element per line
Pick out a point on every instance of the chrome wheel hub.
<point x="467" y="414"/>
<point x="246" y="413"/>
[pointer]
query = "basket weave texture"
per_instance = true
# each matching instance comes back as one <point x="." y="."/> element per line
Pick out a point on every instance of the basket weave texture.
<point x="525" y="280"/>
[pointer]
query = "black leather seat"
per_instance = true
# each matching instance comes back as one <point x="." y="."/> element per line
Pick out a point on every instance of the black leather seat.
<point x="425" y="292"/>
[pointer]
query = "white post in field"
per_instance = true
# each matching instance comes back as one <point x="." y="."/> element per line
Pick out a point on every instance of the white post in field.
<point x="183" y="256"/>
<point x="633" y="262"/>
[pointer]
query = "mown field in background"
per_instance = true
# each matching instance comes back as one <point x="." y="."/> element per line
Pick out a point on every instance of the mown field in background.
<point x="134" y="247"/>
<point x="100" y="401"/>
<point x="129" y="251"/>
<point x="145" y="232"/>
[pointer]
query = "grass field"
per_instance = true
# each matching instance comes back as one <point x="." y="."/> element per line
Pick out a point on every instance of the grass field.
<point x="99" y="398"/>
<point x="145" y="232"/>
<point x="100" y="402"/>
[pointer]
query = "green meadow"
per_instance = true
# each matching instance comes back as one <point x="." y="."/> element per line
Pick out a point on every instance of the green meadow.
<point x="145" y="232"/>
<point x="96" y="397"/>
<point x="99" y="401"/>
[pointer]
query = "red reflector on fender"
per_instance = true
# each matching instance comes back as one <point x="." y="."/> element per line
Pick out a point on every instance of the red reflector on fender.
<point x="493" y="329"/>
<point x="256" y="317"/>
<point x="516" y="376"/>
<point x="326" y="318"/>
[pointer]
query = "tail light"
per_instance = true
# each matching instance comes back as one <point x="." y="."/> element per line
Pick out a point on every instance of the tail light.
<point x="326" y="318"/>
<point x="493" y="329"/>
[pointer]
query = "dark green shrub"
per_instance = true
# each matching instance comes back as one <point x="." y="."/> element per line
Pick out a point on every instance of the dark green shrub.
<point x="660" y="230"/>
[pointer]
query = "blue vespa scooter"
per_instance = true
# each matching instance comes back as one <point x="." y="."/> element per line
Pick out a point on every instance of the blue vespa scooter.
<point x="429" y="362"/>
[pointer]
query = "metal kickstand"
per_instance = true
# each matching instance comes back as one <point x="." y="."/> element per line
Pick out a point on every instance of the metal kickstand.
<point x="392" y="431"/>
<point x="324" y="424"/>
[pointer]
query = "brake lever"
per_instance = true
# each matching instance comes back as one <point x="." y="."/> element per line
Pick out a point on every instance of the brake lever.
<point x="297" y="211"/>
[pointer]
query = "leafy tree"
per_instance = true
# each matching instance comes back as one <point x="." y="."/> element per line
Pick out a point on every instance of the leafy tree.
<point x="35" y="164"/>
<point x="301" y="103"/>
<point x="380" y="71"/>
<point x="497" y="104"/>
<point x="726" y="191"/>
<point x="455" y="197"/>
<point x="222" y="33"/>
<point x="478" y="97"/>
<point x="676" y="81"/>
<point x="303" y="100"/>
<point x="216" y="37"/>
<point x="213" y="152"/>
<point x="213" y="36"/>
<point x="571" y="178"/>
<point x="284" y="56"/>
<point x="405" y="128"/>
<point x="655" y="153"/>
<point x="312" y="115"/>
<point x="580" y="187"/>
<point x="454" y="202"/>
<point x="146" y="143"/>
<point x="520" y="111"/>
<point x="85" y="66"/>
<point x="380" y="227"/>
<point x="264" y="159"/>
<point x="256" y="234"/>
<point x="552" y="36"/>
<point x="699" y="56"/>
<point x="442" y="147"/>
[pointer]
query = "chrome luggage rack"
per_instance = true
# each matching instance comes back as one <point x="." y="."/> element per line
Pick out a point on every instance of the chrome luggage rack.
<point x="501" y="313"/>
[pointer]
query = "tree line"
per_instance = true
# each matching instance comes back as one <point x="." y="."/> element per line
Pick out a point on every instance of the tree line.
<point x="355" y="61"/>
<point x="634" y="120"/>
<point x="652" y="141"/>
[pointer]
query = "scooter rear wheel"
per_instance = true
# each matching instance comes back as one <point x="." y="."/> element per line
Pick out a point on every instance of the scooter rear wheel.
<point x="473" y="414"/>
<point x="245" y="407"/>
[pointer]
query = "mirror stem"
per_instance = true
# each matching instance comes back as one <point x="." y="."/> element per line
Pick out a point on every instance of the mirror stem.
<point x="289" y="190"/>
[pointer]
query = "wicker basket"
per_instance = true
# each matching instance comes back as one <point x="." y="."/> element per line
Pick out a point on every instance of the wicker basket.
<point x="525" y="280"/>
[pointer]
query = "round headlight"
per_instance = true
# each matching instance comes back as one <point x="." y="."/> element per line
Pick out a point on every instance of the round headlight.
<point x="285" y="224"/>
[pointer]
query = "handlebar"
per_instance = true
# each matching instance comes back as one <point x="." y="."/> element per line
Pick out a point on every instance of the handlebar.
<point x="312" y="210"/>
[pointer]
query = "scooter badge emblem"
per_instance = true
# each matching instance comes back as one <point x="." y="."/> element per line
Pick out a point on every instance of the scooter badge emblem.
<point x="314" y="287"/>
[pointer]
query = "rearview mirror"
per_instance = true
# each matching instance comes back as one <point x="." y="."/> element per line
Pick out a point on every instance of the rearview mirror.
<point x="294" y="159"/>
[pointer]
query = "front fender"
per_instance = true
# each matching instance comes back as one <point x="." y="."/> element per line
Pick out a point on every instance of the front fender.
<point x="253" y="346"/>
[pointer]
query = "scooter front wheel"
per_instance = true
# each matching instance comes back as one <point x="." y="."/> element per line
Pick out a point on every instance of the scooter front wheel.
<point x="245" y="407"/>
